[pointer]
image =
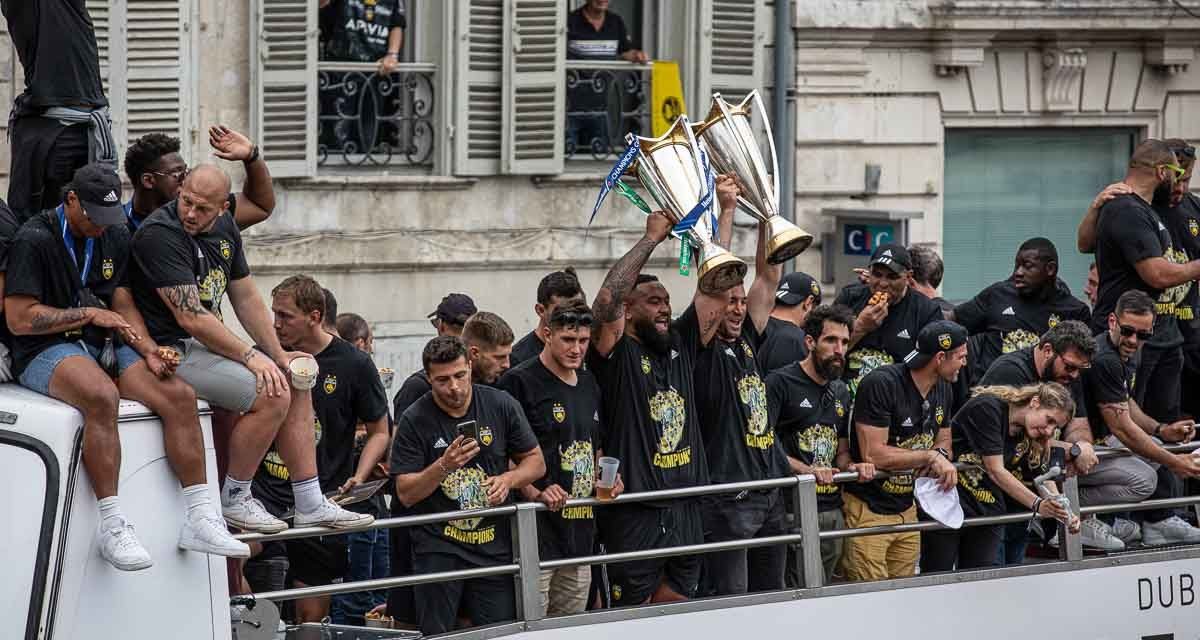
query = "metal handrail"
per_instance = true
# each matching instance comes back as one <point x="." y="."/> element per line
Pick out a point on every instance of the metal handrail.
<point x="386" y="523"/>
<point x="605" y="65"/>
<point x="388" y="583"/>
<point x="403" y="67"/>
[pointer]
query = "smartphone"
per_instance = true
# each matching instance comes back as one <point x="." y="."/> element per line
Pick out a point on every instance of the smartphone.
<point x="469" y="430"/>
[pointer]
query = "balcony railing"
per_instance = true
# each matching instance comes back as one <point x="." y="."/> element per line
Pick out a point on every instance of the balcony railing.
<point x="372" y="121"/>
<point x="605" y="100"/>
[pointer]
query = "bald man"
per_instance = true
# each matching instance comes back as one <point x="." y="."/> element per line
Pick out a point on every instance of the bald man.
<point x="187" y="255"/>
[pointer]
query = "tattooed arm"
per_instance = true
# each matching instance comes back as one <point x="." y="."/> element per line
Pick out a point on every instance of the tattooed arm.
<point x="184" y="302"/>
<point x="609" y="305"/>
<point x="26" y="316"/>
<point x="1119" y="418"/>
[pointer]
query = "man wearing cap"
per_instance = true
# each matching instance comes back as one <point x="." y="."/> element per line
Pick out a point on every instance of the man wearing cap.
<point x="889" y="313"/>
<point x="901" y="422"/>
<point x="783" y="339"/>
<point x="77" y="332"/>
<point x="452" y="313"/>
<point x="186" y="257"/>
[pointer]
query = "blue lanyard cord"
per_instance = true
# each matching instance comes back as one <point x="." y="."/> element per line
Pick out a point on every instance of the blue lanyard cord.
<point x="129" y="214"/>
<point x="89" y="246"/>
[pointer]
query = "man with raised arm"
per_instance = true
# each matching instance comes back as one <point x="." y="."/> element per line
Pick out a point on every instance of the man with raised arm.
<point x="186" y="256"/>
<point x="644" y="362"/>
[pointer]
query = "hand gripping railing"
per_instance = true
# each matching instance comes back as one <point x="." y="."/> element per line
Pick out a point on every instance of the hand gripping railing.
<point x="527" y="564"/>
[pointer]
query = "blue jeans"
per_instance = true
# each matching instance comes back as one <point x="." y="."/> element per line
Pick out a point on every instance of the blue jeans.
<point x="38" y="372"/>
<point x="1015" y="538"/>
<point x="368" y="560"/>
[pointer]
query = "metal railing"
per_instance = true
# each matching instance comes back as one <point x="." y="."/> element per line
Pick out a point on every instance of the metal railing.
<point x="373" y="121"/>
<point x="527" y="564"/>
<point x="605" y="100"/>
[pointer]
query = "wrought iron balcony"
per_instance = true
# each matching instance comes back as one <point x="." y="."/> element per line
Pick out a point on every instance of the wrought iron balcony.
<point x="371" y="121"/>
<point x="605" y="100"/>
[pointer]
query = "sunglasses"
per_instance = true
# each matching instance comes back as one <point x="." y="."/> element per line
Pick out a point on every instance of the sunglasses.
<point x="178" y="174"/>
<point x="1187" y="152"/>
<point x="1127" y="331"/>
<point x="572" y="319"/>
<point x="1173" y="168"/>
<point x="1071" y="367"/>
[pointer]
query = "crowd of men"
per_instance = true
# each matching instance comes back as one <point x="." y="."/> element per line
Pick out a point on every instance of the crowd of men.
<point x="105" y="299"/>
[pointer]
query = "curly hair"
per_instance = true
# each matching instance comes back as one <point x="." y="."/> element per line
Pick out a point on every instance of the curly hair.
<point x="145" y="152"/>
<point x="1070" y="334"/>
<point x="814" y="323"/>
<point x="1050" y="395"/>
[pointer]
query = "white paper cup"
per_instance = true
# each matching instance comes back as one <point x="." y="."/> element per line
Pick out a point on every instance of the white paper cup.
<point x="304" y="372"/>
<point x="608" y="477"/>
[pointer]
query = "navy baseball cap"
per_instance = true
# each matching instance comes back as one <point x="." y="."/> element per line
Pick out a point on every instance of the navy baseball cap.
<point x="455" y="308"/>
<point x="936" y="337"/>
<point x="795" y="288"/>
<point x="98" y="188"/>
<point x="893" y="256"/>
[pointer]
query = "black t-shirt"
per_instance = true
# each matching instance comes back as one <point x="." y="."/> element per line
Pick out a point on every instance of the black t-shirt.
<point x="357" y="30"/>
<point x="566" y="421"/>
<point x="888" y="399"/>
<point x="1183" y="222"/>
<point x="348" y="391"/>
<point x="782" y="344"/>
<point x="56" y="43"/>
<point x="893" y="339"/>
<point x="981" y="429"/>
<point x="422" y="435"/>
<point x="731" y="400"/>
<point x="649" y="406"/>
<point x="40" y="266"/>
<point x="1130" y="231"/>
<point x="1018" y="369"/>
<point x="165" y="255"/>
<point x="584" y="42"/>
<point x="413" y="388"/>
<point x="809" y="419"/>
<point x="526" y="348"/>
<point x="8" y="231"/>
<point x="1008" y="321"/>
<point x="1108" y="381"/>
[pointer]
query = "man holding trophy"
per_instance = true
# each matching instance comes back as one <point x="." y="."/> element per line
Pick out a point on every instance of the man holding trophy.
<point x="645" y="363"/>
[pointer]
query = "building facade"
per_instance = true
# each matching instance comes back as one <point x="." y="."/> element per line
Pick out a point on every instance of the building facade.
<point x="965" y="124"/>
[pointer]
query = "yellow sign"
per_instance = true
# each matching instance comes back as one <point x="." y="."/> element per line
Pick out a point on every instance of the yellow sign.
<point x="666" y="96"/>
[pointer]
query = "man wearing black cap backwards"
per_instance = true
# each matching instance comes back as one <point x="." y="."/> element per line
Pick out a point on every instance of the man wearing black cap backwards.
<point x="901" y="422"/>
<point x="889" y="313"/>
<point x="69" y="304"/>
<point x="783" y="339"/>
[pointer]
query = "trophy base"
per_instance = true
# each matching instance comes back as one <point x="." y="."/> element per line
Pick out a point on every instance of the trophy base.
<point x="721" y="272"/>
<point x="786" y="240"/>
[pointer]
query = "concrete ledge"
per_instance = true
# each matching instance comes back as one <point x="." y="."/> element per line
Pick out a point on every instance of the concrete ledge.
<point x="378" y="183"/>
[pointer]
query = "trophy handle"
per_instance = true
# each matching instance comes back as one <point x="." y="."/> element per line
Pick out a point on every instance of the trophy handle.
<point x="754" y="97"/>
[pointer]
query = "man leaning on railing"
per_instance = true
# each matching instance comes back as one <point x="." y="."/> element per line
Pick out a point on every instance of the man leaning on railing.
<point x="452" y="451"/>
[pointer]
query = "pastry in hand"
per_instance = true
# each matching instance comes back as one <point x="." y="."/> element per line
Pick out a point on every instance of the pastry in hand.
<point x="879" y="297"/>
<point x="169" y="355"/>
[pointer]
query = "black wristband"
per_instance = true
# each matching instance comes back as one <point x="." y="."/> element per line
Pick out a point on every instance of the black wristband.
<point x="254" y="154"/>
<point x="1158" y="430"/>
<point x="1037" y="504"/>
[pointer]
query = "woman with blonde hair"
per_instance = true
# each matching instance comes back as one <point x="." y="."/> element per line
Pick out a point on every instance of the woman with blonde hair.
<point x="1006" y="434"/>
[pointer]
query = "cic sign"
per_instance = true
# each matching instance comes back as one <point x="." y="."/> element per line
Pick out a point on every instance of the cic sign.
<point x="861" y="239"/>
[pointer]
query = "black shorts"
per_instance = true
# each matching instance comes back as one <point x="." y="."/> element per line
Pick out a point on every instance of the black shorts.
<point x="750" y="514"/>
<point x="318" y="561"/>
<point x="637" y="527"/>
<point x="484" y="600"/>
<point x="268" y="570"/>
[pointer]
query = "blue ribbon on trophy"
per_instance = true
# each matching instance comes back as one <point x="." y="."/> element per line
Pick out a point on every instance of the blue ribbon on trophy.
<point x="613" y="181"/>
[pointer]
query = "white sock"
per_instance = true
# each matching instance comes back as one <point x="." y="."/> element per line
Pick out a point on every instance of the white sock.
<point x="199" y="503"/>
<point x="234" y="491"/>
<point x="110" y="513"/>
<point x="307" y="494"/>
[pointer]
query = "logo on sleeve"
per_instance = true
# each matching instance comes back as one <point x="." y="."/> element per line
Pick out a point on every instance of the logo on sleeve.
<point x="485" y="435"/>
<point x="559" y="413"/>
<point x="939" y="415"/>
<point x="106" y="268"/>
<point x="1193" y="227"/>
<point x="226" y="249"/>
<point x="330" y="384"/>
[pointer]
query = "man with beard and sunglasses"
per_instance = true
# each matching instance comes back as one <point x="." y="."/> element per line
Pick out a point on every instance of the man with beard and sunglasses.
<point x="1061" y="355"/>
<point x="644" y="364"/>
<point x="1117" y="419"/>
<point x="156" y="170"/>
<point x="810" y="409"/>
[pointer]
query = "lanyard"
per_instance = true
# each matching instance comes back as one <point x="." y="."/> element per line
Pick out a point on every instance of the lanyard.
<point x="129" y="215"/>
<point x="88" y="247"/>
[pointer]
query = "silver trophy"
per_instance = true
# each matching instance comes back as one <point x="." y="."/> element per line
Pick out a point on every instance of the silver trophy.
<point x="672" y="171"/>
<point x="729" y="141"/>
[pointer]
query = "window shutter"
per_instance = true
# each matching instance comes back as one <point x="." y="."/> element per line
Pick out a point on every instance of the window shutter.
<point x="101" y="19"/>
<point x="534" y="91"/>
<point x="283" y="84"/>
<point x="479" y="27"/>
<point x="734" y="47"/>
<point x="154" y="69"/>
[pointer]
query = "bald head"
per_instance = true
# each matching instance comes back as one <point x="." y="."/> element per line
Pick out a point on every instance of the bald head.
<point x="203" y="197"/>
<point x="208" y="180"/>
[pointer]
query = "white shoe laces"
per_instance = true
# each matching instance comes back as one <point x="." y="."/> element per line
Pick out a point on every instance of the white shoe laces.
<point x="123" y="538"/>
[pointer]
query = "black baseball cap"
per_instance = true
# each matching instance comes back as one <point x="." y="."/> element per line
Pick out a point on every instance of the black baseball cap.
<point x="455" y="308"/>
<point x="98" y="188"/>
<point x="936" y="337"/>
<point x="795" y="288"/>
<point x="893" y="256"/>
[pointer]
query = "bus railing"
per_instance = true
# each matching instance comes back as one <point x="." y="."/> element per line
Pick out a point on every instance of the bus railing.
<point x="527" y="565"/>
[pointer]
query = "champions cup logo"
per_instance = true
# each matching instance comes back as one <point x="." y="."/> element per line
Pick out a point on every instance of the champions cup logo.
<point x="106" y="268"/>
<point x="212" y="290"/>
<point x="944" y="341"/>
<point x="646" y="365"/>
<point x="580" y="461"/>
<point x="330" y="384"/>
<point x="902" y="483"/>
<point x="1020" y="338"/>
<point x="559" y="413"/>
<point x="485" y="435"/>
<point x="753" y="394"/>
<point x="668" y="410"/>
<point x="971" y="477"/>
<point x="226" y="249"/>
<point x="466" y="487"/>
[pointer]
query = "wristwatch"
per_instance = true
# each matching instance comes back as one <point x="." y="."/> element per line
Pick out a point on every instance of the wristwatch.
<point x="1075" y="451"/>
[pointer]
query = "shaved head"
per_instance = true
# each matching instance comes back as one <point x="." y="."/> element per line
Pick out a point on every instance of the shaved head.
<point x="1151" y="153"/>
<point x="203" y="197"/>
<point x="209" y="179"/>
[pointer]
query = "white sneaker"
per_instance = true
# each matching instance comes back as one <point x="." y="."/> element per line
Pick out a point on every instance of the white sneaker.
<point x="1126" y="531"/>
<point x="1173" y="530"/>
<point x="1095" y="533"/>
<point x="1053" y="541"/>
<point x="207" y="534"/>
<point x="120" y="547"/>
<point x="332" y="516"/>
<point x="250" y="515"/>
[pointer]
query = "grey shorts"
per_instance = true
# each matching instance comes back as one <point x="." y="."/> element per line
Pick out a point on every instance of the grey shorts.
<point x="223" y="382"/>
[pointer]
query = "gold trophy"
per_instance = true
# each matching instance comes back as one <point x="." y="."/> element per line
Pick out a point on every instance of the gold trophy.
<point x="733" y="149"/>
<point x="671" y="168"/>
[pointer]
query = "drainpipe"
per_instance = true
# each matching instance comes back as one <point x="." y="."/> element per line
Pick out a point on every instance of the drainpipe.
<point x="785" y="71"/>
